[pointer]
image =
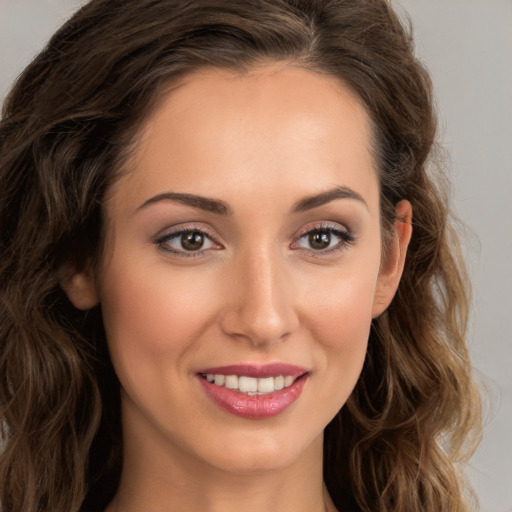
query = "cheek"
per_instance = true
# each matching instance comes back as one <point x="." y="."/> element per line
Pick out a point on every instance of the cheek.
<point x="339" y="319"/>
<point x="340" y="303"/>
<point x="151" y="318"/>
<point x="342" y="341"/>
<point x="341" y="330"/>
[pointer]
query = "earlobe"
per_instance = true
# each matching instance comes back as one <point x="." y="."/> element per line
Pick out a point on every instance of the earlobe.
<point x="393" y="262"/>
<point x="79" y="286"/>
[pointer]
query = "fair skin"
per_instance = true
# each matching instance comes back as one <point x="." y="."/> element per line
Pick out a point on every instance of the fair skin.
<point x="268" y="278"/>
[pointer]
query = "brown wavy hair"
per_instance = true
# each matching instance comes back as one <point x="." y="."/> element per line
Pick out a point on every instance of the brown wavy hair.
<point x="67" y="129"/>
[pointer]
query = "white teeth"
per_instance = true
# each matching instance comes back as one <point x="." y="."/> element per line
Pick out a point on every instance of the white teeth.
<point x="266" y="385"/>
<point x="251" y="385"/>
<point x="231" y="382"/>
<point x="278" y="382"/>
<point x="248" y="384"/>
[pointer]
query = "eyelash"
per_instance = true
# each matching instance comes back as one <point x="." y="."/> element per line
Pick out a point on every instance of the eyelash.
<point x="164" y="239"/>
<point x="346" y="239"/>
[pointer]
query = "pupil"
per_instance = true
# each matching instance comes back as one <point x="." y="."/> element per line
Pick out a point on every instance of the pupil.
<point x="320" y="239"/>
<point x="192" y="241"/>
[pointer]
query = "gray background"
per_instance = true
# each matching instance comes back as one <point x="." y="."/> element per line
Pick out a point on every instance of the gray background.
<point x="467" y="45"/>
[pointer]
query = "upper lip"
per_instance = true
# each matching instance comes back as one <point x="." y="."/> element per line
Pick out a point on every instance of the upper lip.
<point x="257" y="370"/>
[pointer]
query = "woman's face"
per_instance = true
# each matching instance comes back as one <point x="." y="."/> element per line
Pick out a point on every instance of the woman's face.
<point x="243" y="248"/>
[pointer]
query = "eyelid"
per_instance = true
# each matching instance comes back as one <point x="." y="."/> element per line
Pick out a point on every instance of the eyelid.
<point x="347" y="237"/>
<point x="175" y="231"/>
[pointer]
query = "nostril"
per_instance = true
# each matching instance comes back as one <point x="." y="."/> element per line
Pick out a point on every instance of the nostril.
<point x="260" y="331"/>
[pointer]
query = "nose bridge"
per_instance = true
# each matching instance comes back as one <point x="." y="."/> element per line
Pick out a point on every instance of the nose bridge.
<point x="260" y="307"/>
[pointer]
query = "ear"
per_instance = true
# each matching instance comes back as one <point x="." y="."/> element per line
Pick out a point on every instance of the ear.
<point x="79" y="286"/>
<point x="393" y="262"/>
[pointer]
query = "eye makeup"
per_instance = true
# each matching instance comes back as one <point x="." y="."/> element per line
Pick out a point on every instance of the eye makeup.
<point x="187" y="242"/>
<point x="193" y="241"/>
<point x="324" y="239"/>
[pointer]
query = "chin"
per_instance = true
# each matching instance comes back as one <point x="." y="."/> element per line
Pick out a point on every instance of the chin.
<point x="263" y="454"/>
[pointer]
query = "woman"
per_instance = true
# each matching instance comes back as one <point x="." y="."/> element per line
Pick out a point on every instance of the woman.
<point x="228" y="273"/>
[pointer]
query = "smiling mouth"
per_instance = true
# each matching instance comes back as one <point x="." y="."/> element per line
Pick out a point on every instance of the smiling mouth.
<point x="254" y="391"/>
<point x="251" y="385"/>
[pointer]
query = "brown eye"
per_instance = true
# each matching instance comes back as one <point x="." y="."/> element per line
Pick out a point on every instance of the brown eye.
<point x="324" y="240"/>
<point x="192" y="240"/>
<point x="319" y="240"/>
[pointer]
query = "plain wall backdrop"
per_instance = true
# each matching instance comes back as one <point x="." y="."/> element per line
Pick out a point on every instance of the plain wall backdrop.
<point x="467" y="46"/>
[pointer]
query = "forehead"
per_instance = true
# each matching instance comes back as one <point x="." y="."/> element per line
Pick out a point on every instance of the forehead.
<point x="220" y="131"/>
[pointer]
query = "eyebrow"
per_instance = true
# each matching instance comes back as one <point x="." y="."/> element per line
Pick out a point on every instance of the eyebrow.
<point x="340" y="192"/>
<point x="192" y="200"/>
<point x="222" y="208"/>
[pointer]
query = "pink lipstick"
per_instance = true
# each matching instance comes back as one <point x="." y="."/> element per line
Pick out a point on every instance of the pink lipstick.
<point x="254" y="391"/>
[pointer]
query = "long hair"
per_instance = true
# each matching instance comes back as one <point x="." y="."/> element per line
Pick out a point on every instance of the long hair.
<point x="67" y="128"/>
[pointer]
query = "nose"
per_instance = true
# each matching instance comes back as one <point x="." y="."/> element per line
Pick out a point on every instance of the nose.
<point x="259" y="302"/>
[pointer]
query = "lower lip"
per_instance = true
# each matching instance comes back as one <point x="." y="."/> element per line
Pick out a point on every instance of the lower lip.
<point x="254" y="406"/>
